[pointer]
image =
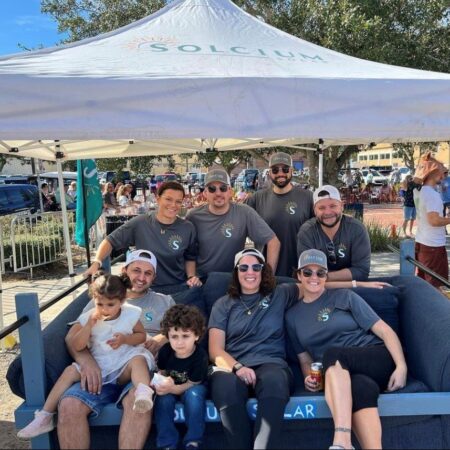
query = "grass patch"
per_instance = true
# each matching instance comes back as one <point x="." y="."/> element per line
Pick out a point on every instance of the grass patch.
<point x="381" y="237"/>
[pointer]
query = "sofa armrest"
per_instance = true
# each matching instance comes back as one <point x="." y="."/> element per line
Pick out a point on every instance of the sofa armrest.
<point x="425" y="331"/>
<point x="57" y="357"/>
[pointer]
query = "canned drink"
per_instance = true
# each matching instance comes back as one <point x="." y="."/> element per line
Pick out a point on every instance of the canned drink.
<point x="316" y="374"/>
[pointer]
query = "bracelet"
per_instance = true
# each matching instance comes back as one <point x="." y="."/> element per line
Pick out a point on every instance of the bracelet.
<point x="343" y="430"/>
<point x="98" y="262"/>
<point x="192" y="276"/>
<point x="354" y="283"/>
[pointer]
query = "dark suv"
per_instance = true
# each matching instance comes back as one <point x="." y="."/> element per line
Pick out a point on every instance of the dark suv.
<point x="15" y="198"/>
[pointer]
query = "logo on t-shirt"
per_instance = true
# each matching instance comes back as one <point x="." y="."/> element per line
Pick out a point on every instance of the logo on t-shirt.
<point x="340" y="251"/>
<point x="227" y="229"/>
<point x="324" y="315"/>
<point x="291" y="208"/>
<point x="175" y="242"/>
<point x="148" y="317"/>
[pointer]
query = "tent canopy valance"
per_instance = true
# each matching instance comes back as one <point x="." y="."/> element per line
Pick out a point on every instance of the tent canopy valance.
<point x="202" y="74"/>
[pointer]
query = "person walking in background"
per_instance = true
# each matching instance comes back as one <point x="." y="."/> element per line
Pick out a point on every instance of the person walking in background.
<point x="445" y="193"/>
<point x="430" y="247"/>
<point x="409" y="207"/>
<point x="284" y="207"/>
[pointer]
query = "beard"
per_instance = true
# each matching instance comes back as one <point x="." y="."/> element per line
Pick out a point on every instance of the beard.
<point x="281" y="183"/>
<point x="330" y="225"/>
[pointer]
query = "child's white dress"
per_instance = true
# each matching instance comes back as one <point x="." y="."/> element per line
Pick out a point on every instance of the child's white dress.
<point x="112" y="362"/>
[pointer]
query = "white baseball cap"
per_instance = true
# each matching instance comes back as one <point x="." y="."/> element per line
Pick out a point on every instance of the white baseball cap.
<point x="141" y="255"/>
<point x="248" y="252"/>
<point x="326" y="191"/>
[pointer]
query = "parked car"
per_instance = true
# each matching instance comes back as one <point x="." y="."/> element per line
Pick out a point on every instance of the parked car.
<point x="15" y="198"/>
<point x="377" y="178"/>
<point x="400" y="173"/>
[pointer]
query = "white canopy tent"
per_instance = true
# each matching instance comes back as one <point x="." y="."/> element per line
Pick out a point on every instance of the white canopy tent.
<point x="202" y="74"/>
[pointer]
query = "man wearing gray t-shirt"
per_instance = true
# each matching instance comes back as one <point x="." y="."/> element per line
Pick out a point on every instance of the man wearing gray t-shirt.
<point x="343" y="239"/>
<point x="223" y="227"/>
<point x="284" y="208"/>
<point x="76" y="404"/>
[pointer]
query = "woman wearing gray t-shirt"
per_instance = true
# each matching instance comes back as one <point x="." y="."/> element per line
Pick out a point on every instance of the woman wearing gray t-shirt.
<point x="361" y="354"/>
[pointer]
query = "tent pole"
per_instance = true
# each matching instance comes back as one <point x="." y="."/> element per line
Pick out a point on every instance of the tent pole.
<point x="65" y="222"/>
<point x="320" y="151"/>
<point x="86" y="229"/>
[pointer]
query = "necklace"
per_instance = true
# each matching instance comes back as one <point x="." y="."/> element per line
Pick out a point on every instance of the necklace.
<point x="250" y="311"/>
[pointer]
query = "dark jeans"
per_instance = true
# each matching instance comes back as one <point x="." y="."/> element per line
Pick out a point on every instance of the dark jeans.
<point x="194" y="411"/>
<point x="370" y="369"/>
<point x="274" y="384"/>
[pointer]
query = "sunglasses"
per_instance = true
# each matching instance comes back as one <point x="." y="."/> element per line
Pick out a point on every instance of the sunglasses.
<point x="275" y="169"/>
<point x="321" y="273"/>
<point x="331" y="251"/>
<point x="255" y="267"/>
<point x="222" y="188"/>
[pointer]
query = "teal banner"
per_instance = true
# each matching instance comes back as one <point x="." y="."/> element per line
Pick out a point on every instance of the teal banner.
<point x="89" y="200"/>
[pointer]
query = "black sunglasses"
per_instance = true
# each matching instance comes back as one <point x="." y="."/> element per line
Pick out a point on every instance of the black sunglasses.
<point x="275" y="169"/>
<point x="331" y="251"/>
<point x="255" y="267"/>
<point x="222" y="188"/>
<point x="321" y="273"/>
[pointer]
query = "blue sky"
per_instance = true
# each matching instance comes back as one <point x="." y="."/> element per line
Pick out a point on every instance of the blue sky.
<point x="21" y="21"/>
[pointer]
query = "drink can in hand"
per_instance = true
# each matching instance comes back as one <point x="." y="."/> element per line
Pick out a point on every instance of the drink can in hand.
<point x="316" y="374"/>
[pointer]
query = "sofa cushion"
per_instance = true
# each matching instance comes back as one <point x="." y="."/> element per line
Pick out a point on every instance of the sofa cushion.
<point x="384" y="302"/>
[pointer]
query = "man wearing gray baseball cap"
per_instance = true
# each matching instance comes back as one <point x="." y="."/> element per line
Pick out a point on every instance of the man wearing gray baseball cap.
<point x="342" y="238"/>
<point x="284" y="207"/>
<point x="223" y="227"/>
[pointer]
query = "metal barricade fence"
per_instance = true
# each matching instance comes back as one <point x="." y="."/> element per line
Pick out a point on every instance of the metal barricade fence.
<point x="33" y="240"/>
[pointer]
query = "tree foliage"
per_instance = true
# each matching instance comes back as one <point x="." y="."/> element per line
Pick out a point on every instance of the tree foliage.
<point x="406" y="151"/>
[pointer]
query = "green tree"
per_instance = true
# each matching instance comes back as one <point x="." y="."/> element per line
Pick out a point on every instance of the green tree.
<point x="87" y="18"/>
<point x="406" y="151"/>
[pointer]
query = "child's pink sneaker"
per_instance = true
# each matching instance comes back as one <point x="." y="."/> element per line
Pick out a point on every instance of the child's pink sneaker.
<point x="42" y="423"/>
<point x="143" y="398"/>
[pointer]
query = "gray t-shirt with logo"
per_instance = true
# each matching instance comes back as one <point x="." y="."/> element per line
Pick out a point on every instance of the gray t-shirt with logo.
<point x="153" y="305"/>
<point x="351" y="245"/>
<point x="259" y="337"/>
<point x="284" y="213"/>
<point x="338" y="318"/>
<point x="220" y="237"/>
<point x="172" y="245"/>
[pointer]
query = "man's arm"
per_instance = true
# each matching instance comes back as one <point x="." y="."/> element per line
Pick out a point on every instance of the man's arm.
<point x="91" y="375"/>
<point x="104" y="250"/>
<point x="273" y="251"/>
<point x="360" y="254"/>
<point x="340" y="275"/>
<point x="435" y="220"/>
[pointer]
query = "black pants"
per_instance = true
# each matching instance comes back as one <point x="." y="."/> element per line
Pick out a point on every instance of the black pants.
<point x="370" y="369"/>
<point x="274" y="384"/>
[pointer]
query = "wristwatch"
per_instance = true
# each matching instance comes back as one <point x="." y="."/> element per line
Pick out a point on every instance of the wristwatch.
<point x="98" y="262"/>
<point x="237" y="366"/>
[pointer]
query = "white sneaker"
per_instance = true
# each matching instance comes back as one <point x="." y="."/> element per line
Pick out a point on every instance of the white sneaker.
<point x="143" y="398"/>
<point x="42" y="423"/>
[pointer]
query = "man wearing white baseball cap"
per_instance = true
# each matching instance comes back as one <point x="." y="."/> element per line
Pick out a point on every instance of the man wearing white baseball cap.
<point x="343" y="239"/>
<point x="285" y="208"/>
<point x="75" y="407"/>
<point x="223" y="227"/>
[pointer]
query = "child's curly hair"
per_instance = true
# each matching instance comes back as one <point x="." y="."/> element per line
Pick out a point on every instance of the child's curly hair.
<point x="109" y="286"/>
<point x="184" y="317"/>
